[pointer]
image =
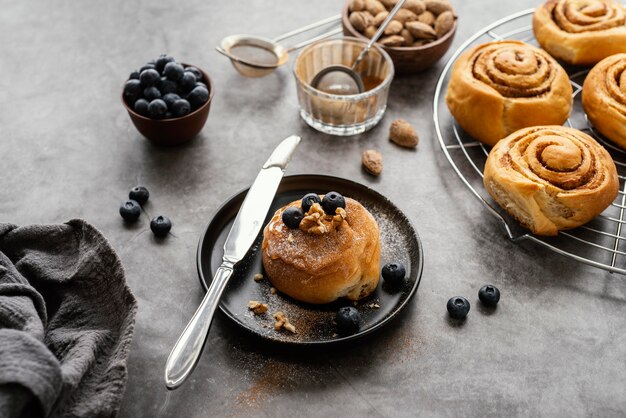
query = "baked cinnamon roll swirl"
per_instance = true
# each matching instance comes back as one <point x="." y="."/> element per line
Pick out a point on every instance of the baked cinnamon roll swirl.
<point x="581" y="32"/>
<point x="604" y="98"/>
<point x="551" y="178"/>
<point x="500" y="87"/>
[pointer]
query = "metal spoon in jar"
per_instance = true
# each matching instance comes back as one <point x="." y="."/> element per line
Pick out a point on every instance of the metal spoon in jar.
<point x="343" y="80"/>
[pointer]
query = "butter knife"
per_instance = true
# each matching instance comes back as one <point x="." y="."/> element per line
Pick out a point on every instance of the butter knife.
<point x="243" y="233"/>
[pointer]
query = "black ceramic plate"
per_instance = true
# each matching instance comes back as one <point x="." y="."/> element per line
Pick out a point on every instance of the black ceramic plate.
<point x="314" y="323"/>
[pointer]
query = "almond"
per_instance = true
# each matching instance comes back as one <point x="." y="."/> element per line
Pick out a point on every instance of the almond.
<point x="402" y="133"/>
<point x="380" y="18"/>
<point x="370" y="31"/>
<point x="437" y="7"/>
<point x="393" y="28"/>
<point x="389" y="3"/>
<point x="357" y="6"/>
<point x="405" y="15"/>
<point x="360" y="20"/>
<point x="393" y="40"/>
<point x="408" y="38"/>
<point x="421" y="30"/>
<point x="374" y="7"/>
<point x="444" y="23"/>
<point x="416" y="6"/>
<point x="427" y="17"/>
<point x="372" y="161"/>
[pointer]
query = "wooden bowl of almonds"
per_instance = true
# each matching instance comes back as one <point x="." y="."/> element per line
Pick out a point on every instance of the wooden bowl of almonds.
<point x="417" y="37"/>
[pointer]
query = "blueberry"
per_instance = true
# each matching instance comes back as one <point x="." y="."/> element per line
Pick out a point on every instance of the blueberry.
<point x="332" y="201"/>
<point x="157" y="109"/>
<point x="308" y="200"/>
<point x="173" y="71"/>
<point x="348" y="320"/>
<point x="394" y="274"/>
<point x="166" y="86"/>
<point x="198" y="96"/>
<point x="170" y="98"/>
<point x="149" y="77"/>
<point x="148" y="66"/>
<point x="489" y="295"/>
<point x="139" y="194"/>
<point x="188" y="82"/>
<point x="134" y="75"/>
<point x="195" y="72"/>
<point x="162" y="61"/>
<point x="180" y="107"/>
<point x="132" y="91"/>
<point x="141" y="107"/>
<point x="151" y="93"/>
<point x="130" y="210"/>
<point x="458" y="307"/>
<point x="168" y="115"/>
<point x="201" y="84"/>
<point x="292" y="216"/>
<point x="160" y="226"/>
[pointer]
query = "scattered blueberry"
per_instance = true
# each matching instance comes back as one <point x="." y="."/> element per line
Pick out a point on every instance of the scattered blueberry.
<point x="195" y="72"/>
<point x="489" y="295"/>
<point x="139" y="194"/>
<point x="157" y="109"/>
<point x="308" y="200"/>
<point x="458" y="307"/>
<point x="141" y="107"/>
<point x="132" y="91"/>
<point x="167" y="86"/>
<point x="332" y="201"/>
<point x="198" y="96"/>
<point x="134" y="75"/>
<point x="188" y="82"/>
<point x="180" y="107"/>
<point x="149" y="77"/>
<point x="148" y="66"/>
<point x="173" y="71"/>
<point x="130" y="210"/>
<point x="292" y="216"/>
<point x="160" y="226"/>
<point x="348" y="320"/>
<point x="162" y="61"/>
<point x="151" y="93"/>
<point x="394" y="274"/>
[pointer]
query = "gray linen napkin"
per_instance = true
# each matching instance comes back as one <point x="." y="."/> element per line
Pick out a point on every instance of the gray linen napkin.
<point x="66" y="322"/>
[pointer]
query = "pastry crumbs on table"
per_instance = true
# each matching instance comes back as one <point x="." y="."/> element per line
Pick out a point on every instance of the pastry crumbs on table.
<point x="257" y="307"/>
<point x="258" y="277"/>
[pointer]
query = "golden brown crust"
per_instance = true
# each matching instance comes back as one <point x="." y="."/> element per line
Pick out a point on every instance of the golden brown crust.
<point x="581" y="32"/>
<point x="551" y="178"/>
<point x="321" y="268"/>
<point x="499" y="87"/>
<point x="604" y="98"/>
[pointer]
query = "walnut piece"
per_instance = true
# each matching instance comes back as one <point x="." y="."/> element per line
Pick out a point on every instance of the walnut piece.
<point x="317" y="222"/>
<point x="257" y="307"/>
<point x="283" y="323"/>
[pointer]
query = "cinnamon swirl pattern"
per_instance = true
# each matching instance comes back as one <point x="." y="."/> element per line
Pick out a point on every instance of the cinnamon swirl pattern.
<point x="500" y="87"/>
<point x="604" y="98"/>
<point x="581" y="32"/>
<point x="551" y="178"/>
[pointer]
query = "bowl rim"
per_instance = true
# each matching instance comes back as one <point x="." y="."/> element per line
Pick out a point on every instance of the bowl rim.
<point x="355" y="33"/>
<point x="209" y="84"/>
<point x="346" y="97"/>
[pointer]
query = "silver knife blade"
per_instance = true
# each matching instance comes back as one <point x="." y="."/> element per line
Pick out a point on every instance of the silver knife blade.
<point x="258" y="200"/>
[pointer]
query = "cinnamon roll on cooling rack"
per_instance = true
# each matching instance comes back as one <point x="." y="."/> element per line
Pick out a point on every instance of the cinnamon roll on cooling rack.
<point x="604" y="98"/>
<point x="500" y="87"/>
<point x="551" y="178"/>
<point x="581" y="32"/>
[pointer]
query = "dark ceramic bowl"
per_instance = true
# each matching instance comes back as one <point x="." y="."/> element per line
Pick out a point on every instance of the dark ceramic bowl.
<point x="173" y="131"/>
<point x="407" y="59"/>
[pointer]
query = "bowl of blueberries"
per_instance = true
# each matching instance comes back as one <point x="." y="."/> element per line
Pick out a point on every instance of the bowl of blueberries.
<point x="167" y="101"/>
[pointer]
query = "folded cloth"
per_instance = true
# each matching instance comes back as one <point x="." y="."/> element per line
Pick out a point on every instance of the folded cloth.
<point x="66" y="322"/>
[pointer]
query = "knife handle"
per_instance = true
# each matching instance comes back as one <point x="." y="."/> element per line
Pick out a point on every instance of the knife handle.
<point x="186" y="352"/>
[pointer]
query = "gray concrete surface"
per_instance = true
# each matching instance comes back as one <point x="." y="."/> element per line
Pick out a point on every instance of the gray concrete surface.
<point x="555" y="346"/>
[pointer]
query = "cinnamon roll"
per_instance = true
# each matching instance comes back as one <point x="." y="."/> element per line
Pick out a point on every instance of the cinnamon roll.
<point x="500" y="87"/>
<point x="551" y="178"/>
<point x="604" y="98"/>
<point x="581" y="32"/>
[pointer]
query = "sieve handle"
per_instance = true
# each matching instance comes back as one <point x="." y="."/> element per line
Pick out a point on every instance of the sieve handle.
<point x="306" y="28"/>
<point x="328" y="34"/>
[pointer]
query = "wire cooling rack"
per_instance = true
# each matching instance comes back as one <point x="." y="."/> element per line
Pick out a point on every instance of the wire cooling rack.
<point x="601" y="242"/>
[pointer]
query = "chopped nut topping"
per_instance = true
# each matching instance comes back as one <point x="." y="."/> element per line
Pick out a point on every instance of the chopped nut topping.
<point x="290" y="238"/>
<point x="273" y="290"/>
<point x="257" y="307"/>
<point x="258" y="277"/>
<point x="283" y="323"/>
<point x="317" y="222"/>
<point x="373" y="306"/>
